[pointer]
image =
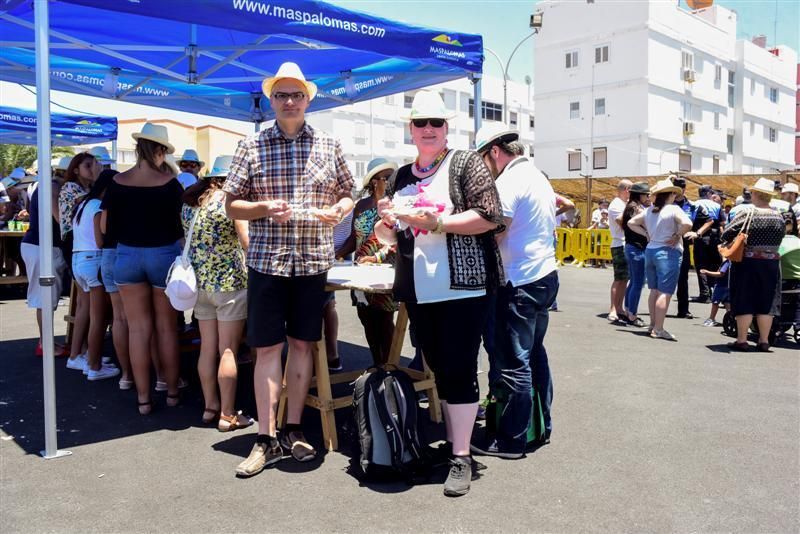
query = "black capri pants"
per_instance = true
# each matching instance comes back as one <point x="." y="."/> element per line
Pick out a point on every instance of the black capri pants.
<point x="449" y="334"/>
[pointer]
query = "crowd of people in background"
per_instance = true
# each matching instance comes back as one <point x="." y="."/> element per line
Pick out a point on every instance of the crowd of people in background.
<point x="470" y="235"/>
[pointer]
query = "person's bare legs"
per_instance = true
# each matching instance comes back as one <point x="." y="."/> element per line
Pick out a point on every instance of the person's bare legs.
<point x="207" y="366"/>
<point x="448" y="428"/>
<point x="267" y="383"/>
<point x="461" y="421"/>
<point x="119" y="334"/>
<point x="764" y="323"/>
<point x="137" y="301"/>
<point x="743" y="323"/>
<point x="617" y="298"/>
<point x="298" y="378"/>
<point x="80" y="327"/>
<point x="651" y="306"/>
<point x="330" y="319"/>
<point x="155" y="358"/>
<point x="167" y="332"/>
<point x="661" y="305"/>
<point x="230" y="336"/>
<point x="97" y="326"/>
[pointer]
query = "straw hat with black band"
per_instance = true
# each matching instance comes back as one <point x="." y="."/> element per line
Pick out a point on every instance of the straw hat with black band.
<point x="155" y="133"/>
<point x="493" y="134"/>
<point x="374" y="167"/>
<point x="290" y="71"/>
<point x="664" y="186"/>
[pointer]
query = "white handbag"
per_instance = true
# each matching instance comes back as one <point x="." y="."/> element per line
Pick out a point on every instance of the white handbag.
<point x="181" y="280"/>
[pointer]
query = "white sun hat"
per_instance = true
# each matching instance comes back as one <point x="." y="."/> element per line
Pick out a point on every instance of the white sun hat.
<point x="191" y="155"/>
<point x="428" y="105"/>
<point x="664" y="186"/>
<point x="764" y="185"/>
<point x="289" y="71"/>
<point x="375" y="166"/>
<point x="493" y="133"/>
<point x="182" y="286"/>
<point x="101" y="154"/>
<point x="222" y="165"/>
<point x="790" y="188"/>
<point x="156" y="133"/>
<point x="63" y="163"/>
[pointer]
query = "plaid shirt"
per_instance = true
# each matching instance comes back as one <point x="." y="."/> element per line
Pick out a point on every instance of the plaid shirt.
<point x="308" y="172"/>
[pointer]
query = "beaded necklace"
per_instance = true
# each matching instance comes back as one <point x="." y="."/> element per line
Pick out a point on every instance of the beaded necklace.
<point x="436" y="161"/>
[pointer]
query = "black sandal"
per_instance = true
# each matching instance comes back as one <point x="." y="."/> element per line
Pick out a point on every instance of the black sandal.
<point x="739" y="347"/>
<point x="176" y="398"/>
<point x="145" y="403"/>
<point x="763" y="347"/>
<point x="214" y="416"/>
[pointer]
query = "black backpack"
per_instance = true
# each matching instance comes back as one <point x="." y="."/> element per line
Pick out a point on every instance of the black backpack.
<point x="385" y="409"/>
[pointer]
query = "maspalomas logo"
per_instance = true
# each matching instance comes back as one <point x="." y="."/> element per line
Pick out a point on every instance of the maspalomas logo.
<point x="88" y="126"/>
<point x="444" y="38"/>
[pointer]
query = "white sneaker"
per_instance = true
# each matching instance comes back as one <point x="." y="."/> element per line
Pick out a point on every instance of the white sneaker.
<point x="107" y="359"/>
<point x="663" y="334"/>
<point x="78" y="363"/>
<point x="105" y="371"/>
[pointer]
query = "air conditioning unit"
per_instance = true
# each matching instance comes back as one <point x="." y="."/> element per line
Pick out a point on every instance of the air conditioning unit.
<point x="688" y="128"/>
<point x="689" y="75"/>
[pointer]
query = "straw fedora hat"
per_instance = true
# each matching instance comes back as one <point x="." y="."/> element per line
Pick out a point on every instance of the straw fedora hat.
<point x="493" y="133"/>
<point x="664" y="186"/>
<point x="191" y="155"/>
<point x="101" y="154"/>
<point x="156" y="133"/>
<point x="222" y="165"/>
<point x="428" y="105"/>
<point x="790" y="188"/>
<point x="764" y="185"/>
<point x="291" y="71"/>
<point x="375" y="166"/>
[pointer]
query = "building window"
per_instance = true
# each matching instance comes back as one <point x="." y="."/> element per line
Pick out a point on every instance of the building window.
<point x="390" y="100"/>
<point x="772" y="135"/>
<point x="389" y="139"/>
<point x="717" y="75"/>
<point x="361" y="133"/>
<point x="512" y="118"/>
<point x="599" y="158"/>
<point x="572" y="59"/>
<point x="684" y="161"/>
<point x="466" y="103"/>
<point x="530" y="150"/>
<point x="731" y="88"/>
<point x="574" y="110"/>
<point x="687" y="60"/>
<point x="574" y="160"/>
<point x="752" y="86"/>
<point x="489" y="110"/>
<point x="531" y="122"/>
<point x="773" y="95"/>
<point x="601" y="54"/>
<point x="730" y="143"/>
<point x="361" y="168"/>
<point x="408" y="100"/>
<point x="449" y="97"/>
<point x="752" y="128"/>
<point x="407" y="136"/>
<point x="126" y="156"/>
<point x="716" y="120"/>
<point x="599" y="106"/>
<point x="715" y="165"/>
<point x="471" y="139"/>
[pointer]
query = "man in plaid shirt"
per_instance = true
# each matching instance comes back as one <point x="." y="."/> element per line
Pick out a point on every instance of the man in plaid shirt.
<point x="293" y="185"/>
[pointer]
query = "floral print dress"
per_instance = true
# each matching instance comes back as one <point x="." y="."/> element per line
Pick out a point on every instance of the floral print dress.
<point x="69" y="195"/>
<point x="367" y="244"/>
<point x="215" y="251"/>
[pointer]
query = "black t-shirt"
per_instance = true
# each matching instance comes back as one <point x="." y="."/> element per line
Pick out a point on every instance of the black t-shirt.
<point x="403" y="288"/>
<point x="144" y="216"/>
<point x="631" y="237"/>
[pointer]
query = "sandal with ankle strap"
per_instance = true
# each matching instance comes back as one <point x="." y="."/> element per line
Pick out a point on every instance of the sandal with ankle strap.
<point x="229" y="423"/>
<point x="141" y="405"/>
<point x="214" y="415"/>
<point x="173" y="400"/>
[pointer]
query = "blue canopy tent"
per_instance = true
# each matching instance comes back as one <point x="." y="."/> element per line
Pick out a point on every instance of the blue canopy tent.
<point x="209" y="57"/>
<point x="18" y="127"/>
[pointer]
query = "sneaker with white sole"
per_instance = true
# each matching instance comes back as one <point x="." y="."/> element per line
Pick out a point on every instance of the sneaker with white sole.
<point x="78" y="363"/>
<point x="663" y="334"/>
<point x="105" y="371"/>
<point x="107" y="359"/>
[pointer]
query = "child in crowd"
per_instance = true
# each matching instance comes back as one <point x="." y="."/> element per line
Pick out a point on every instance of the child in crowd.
<point x="721" y="293"/>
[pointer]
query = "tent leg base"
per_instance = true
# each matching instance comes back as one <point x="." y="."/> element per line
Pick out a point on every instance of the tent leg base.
<point x="58" y="454"/>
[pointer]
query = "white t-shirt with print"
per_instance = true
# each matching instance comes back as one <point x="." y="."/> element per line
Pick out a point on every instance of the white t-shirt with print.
<point x="663" y="224"/>
<point x="83" y="231"/>
<point x="615" y="210"/>
<point x="527" y="244"/>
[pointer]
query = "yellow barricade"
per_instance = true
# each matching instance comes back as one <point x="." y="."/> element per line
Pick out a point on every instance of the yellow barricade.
<point x="582" y="245"/>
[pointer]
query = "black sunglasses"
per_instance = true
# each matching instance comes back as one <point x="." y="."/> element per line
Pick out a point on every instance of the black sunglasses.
<point x="422" y="123"/>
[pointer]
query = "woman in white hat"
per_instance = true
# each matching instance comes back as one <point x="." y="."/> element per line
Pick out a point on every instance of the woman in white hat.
<point x="217" y="253"/>
<point x="376" y="312"/>
<point x="142" y="209"/>
<point x="755" y="281"/>
<point x="664" y="225"/>
<point x="443" y="214"/>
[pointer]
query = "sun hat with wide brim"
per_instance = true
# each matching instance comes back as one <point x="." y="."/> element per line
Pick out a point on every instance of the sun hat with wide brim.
<point x="191" y="155"/>
<point x="493" y="133"/>
<point x="222" y="165"/>
<point x="375" y="166"/>
<point x="664" y="186"/>
<point x="764" y="185"/>
<point x="101" y="154"/>
<point x="790" y="188"/>
<point x="156" y="133"/>
<point x="640" y="188"/>
<point x="290" y="71"/>
<point x="63" y="164"/>
<point x="428" y="105"/>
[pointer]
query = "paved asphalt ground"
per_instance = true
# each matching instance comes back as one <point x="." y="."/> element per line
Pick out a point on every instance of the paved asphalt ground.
<point x="649" y="436"/>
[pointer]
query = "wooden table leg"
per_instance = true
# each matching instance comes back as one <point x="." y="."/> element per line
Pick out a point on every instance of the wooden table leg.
<point x="400" y="327"/>
<point x="326" y="411"/>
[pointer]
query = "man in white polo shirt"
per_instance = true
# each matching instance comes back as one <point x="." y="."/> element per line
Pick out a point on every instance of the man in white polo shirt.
<point x="519" y="358"/>
<point x="616" y="313"/>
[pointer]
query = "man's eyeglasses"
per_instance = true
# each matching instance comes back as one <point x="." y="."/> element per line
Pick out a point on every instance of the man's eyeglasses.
<point x="283" y="97"/>
<point x="422" y="123"/>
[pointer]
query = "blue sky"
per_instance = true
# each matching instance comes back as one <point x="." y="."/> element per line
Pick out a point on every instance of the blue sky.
<point x="503" y="23"/>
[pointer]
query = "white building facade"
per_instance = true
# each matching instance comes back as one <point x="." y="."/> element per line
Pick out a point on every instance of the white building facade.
<point x="648" y="87"/>
<point x="375" y="128"/>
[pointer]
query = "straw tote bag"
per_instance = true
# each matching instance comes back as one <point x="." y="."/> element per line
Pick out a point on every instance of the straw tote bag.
<point x="735" y="250"/>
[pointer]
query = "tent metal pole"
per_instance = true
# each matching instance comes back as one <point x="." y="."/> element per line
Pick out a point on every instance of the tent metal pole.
<point x="114" y="154"/>
<point x="46" y="279"/>
<point x="477" y="105"/>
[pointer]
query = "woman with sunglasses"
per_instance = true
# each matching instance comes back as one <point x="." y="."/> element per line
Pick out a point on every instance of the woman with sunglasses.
<point x="376" y="312"/>
<point x="443" y="213"/>
<point x="143" y="210"/>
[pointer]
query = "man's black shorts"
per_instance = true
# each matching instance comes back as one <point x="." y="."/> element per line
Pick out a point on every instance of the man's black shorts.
<point x="280" y="306"/>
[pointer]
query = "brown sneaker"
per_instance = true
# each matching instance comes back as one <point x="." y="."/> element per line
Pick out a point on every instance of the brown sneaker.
<point x="260" y="457"/>
<point x="296" y="442"/>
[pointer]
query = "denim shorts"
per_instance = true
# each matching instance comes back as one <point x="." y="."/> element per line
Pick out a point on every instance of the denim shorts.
<point x="721" y="295"/>
<point x="662" y="267"/>
<point x="86" y="268"/>
<point x="148" y="265"/>
<point x="107" y="270"/>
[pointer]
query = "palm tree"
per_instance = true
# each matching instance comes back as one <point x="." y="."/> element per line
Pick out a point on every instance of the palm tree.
<point x="13" y="156"/>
